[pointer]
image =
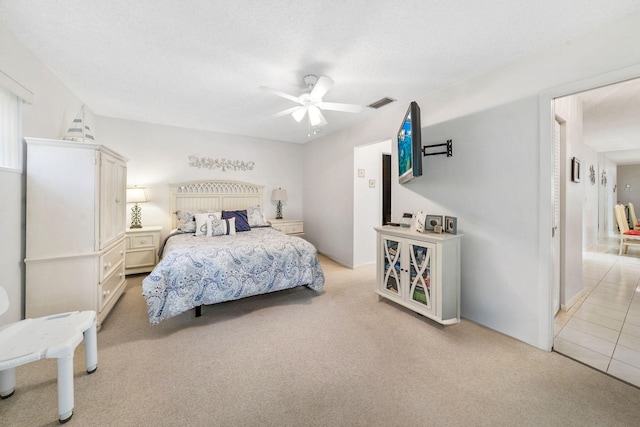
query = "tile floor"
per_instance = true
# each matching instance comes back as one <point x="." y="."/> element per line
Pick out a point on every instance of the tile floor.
<point x="602" y="329"/>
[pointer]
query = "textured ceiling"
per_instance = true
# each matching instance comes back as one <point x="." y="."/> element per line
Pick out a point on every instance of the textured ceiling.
<point x="199" y="63"/>
<point x="611" y="120"/>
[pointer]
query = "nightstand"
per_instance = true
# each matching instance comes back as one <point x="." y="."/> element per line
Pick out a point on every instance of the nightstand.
<point x="295" y="227"/>
<point x="142" y="245"/>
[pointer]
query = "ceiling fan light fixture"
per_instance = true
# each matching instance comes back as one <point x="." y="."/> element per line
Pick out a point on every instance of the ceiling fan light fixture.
<point x="312" y="101"/>
<point x="314" y="116"/>
<point x="298" y="115"/>
<point x="310" y="80"/>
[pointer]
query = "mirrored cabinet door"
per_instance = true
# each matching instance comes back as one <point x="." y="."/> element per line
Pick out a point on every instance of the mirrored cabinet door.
<point x="420" y="258"/>
<point x="392" y="274"/>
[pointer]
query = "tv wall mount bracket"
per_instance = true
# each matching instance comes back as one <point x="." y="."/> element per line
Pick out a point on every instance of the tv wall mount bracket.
<point x="448" y="144"/>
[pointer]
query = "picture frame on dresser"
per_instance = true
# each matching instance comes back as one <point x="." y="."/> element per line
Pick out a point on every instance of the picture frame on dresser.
<point x="451" y="224"/>
<point x="431" y="221"/>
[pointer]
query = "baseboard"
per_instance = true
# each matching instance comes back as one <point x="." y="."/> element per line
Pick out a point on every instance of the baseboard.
<point x="575" y="299"/>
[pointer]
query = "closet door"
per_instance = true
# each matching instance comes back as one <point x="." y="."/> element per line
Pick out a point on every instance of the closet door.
<point x="121" y="199"/>
<point x="111" y="199"/>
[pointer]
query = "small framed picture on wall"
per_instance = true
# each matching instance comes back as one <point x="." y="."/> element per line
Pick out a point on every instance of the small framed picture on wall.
<point x="575" y="169"/>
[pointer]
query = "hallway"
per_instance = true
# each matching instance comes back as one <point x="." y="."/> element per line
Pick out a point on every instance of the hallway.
<point x="602" y="329"/>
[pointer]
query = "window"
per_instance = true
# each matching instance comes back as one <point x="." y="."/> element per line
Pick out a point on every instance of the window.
<point x="10" y="129"/>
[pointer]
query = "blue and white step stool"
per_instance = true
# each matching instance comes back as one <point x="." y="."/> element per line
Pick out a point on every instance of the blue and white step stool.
<point x="51" y="337"/>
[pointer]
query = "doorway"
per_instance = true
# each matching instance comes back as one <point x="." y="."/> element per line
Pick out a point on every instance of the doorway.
<point x="367" y="199"/>
<point x="386" y="188"/>
<point x="592" y="327"/>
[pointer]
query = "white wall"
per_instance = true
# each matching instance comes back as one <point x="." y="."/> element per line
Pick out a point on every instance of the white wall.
<point x="12" y="247"/>
<point x="629" y="174"/>
<point x="608" y="196"/>
<point x="51" y="113"/>
<point x="591" y="193"/>
<point x="497" y="183"/>
<point x="569" y="111"/>
<point x="159" y="156"/>
<point x="367" y="209"/>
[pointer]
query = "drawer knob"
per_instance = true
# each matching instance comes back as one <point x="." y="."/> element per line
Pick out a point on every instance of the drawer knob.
<point x="143" y="241"/>
<point x="106" y="293"/>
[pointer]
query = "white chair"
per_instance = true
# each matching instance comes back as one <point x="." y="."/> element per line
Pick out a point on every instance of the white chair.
<point x="51" y="337"/>
<point x="627" y="237"/>
<point x="632" y="217"/>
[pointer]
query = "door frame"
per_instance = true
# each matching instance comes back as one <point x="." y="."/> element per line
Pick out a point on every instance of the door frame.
<point x="545" y="189"/>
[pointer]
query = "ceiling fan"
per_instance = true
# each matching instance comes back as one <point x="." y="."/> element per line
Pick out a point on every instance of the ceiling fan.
<point x="311" y="102"/>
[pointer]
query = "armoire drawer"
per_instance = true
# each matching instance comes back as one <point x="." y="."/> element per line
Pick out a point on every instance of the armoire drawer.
<point x="108" y="289"/>
<point x="111" y="260"/>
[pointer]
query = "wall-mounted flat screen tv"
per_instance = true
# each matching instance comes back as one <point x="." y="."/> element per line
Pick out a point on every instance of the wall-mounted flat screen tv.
<point x="410" y="145"/>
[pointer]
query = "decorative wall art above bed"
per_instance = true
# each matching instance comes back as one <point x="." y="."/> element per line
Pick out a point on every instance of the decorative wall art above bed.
<point x="205" y="261"/>
<point x="223" y="164"/>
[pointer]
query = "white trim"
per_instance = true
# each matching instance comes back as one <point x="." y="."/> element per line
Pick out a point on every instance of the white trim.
<point x="545" y="190"/>
<point x="575" y="299"/>
<point x="15" y="87"/>
<point x="13" y="170"/>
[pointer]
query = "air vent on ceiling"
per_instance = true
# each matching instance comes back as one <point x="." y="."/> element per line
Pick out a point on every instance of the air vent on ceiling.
<point x="381" y="102"/>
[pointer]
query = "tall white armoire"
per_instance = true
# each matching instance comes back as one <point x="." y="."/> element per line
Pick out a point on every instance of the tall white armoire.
<point x="76" y="223"/>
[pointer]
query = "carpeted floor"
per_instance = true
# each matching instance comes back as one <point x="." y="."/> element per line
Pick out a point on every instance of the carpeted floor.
<point x="296" y="358"/>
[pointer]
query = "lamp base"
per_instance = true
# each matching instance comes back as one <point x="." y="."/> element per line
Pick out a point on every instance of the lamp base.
<point x="279" y="210"/>
<point x="136" y="217"/>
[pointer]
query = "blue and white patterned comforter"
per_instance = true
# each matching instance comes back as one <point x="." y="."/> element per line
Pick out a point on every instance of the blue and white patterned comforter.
<point x="206" y="270"/>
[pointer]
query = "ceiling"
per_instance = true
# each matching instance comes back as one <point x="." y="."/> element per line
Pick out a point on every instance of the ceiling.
<point x="611" y="120"/>
<point x="199" y="63"/>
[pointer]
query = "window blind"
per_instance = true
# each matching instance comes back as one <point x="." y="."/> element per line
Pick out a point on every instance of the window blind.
<point x="10" y="131"/>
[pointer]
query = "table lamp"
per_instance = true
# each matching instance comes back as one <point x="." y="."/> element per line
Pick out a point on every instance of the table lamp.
<point x="136" y="195"/>
<point x="279" y="196"/>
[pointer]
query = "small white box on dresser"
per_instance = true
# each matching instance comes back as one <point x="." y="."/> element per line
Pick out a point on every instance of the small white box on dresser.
<point x="295" y="227"/>
<point x="142" y="246"/>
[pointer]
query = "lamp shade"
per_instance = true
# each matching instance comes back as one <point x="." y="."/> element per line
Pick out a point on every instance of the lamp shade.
<point x="279" y="195"/>
<point x="136" y="195"/>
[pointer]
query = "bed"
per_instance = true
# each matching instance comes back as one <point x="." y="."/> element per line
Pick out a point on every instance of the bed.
<point x="212" y="263"/>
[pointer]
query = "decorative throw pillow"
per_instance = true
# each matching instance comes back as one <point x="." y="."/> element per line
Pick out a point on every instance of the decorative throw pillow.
<point x="255" y="217"/>
<point x="187" y="221"/>
<point x="222" y="227"/>
<point x="210" y="224"/>
<point x="242" y="223"/>
<point x="203" y="224"/>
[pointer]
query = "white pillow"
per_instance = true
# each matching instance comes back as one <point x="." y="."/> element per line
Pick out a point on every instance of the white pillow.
<point x="255" y="217"/>
<point x="222" y="227"/>
<point x="187" y="220"/>
<point x="203" y="224"/>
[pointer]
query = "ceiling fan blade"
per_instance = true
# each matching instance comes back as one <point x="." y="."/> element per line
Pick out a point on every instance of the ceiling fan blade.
<point x="315" y="117"/>
<point x="298" y="115"/>
<point x="321" y="87"/>
<point x="281" y="94"/>
<point x="337" y="106"/>
<point x="288" y="111"/>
